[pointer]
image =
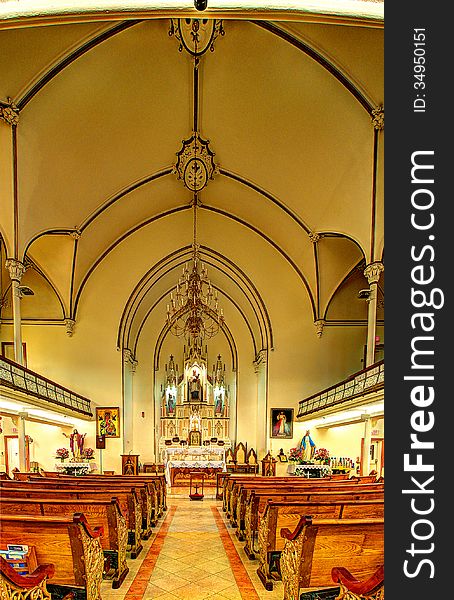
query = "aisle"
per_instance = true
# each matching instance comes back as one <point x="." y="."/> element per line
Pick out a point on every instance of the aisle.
<point x="192" y="555"/>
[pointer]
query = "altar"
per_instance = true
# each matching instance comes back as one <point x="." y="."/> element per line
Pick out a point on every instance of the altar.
<point x="179" y="462"/>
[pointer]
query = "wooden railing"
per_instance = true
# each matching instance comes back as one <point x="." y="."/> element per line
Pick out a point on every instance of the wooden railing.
<point x="17" y="377"/>
<point x="365" y="381"/>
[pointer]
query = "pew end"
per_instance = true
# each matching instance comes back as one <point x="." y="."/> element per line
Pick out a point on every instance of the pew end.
<point x="350" y="587"/>
<point x="33" y="584"/>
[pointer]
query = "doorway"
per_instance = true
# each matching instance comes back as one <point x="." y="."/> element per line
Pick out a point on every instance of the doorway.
<point x="11" y="453"/>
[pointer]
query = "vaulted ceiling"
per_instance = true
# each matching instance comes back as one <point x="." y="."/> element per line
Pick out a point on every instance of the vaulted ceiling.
<point x="290" y="110"/>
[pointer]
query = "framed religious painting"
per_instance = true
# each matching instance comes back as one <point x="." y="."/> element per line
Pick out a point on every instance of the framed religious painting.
<point x="282" y="423"/>
<point x="108" y="421"/>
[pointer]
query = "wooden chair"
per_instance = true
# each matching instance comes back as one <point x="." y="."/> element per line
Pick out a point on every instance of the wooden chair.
<point x="240" y="458"/>
<point x="230" y="460"/>
<point x="252" y="462"/>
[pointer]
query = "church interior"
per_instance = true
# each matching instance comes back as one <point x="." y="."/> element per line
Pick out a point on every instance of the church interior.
<point x="191" y="300"/>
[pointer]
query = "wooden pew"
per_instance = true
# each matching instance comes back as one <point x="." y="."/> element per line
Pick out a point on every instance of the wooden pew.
<point x="157" y="481"/>
<point x="233" y="484"/>
<point x="279" y="516"/>
<point x="317" y="545"/>
<point x="144" y="493"/>
<point x="256" y="507"/>
<point x="241" y="492"/>
<point x="128" y="500"/>
<point x="68" y="543"/>
<point x="259" y="493"/>
<point x="147" y="493"/>
<point x="350" y="587"/>
<point x="104" y="513"/>
<point x="13" y="585"/>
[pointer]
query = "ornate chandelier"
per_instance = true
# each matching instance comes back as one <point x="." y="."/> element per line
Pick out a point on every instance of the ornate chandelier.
<point x="193" y="311"/>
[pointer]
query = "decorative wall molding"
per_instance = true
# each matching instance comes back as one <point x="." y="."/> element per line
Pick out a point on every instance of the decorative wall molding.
<point x="319" y="325"/>
<point x="195" y="165"/>
<point x="378" y="118"/>
<point x="314" y="237"/>
<point x="70" y="325"/>
<point x="196" y="36"/>
<point x="9" y="112"/>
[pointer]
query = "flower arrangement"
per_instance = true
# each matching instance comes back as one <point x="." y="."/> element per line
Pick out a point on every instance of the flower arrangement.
<point x="62" y="453"/>
<point x="295" y="455"/>
<point x="89" y="453"/>
<point x="322" y="455"/>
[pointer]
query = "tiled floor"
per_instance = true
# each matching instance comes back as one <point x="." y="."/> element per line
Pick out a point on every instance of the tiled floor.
<point x="193" y="554"/>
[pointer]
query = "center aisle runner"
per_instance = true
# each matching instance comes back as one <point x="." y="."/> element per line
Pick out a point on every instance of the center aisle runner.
<point x="192" y="557"/>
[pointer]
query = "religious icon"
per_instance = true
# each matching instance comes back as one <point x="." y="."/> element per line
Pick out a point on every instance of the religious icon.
<point x="194" y="385"/>
<point x="282" y="422"/>
<point x="128" y="467"/>
<point x="108" y="421"/>
<point x="171" y="402"/>
<point x="219" y="403"/>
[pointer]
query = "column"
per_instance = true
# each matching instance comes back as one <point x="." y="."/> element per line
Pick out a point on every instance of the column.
<point x="372" y="273"/>
<point x="365" y="462"/>
<point x="261" y="369"/>
<point x="129" y="368"/>
<point x="22" y="442"/>
<point x="16" y="269"/>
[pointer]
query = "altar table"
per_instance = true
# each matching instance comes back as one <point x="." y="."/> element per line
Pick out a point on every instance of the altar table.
<point x="209" y="459"/>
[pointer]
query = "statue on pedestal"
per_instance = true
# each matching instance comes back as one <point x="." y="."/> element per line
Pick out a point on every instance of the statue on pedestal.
<point x="76" y="443"/>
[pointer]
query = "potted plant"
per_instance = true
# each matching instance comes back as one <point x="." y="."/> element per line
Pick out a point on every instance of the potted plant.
<point x="62" y="453"/>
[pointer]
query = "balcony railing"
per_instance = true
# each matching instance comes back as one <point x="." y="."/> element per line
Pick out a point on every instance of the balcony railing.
<point x="20" y="378"/>
<point x="363" y="382"/>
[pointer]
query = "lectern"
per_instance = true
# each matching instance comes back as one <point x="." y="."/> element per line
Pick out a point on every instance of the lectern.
<point x="130" y="464"/>
<point x="196" y="485"/>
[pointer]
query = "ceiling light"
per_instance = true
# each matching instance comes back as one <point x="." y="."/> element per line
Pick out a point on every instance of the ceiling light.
<point x="193" y="311"/>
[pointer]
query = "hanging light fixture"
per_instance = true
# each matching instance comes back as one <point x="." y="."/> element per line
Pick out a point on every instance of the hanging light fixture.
<point x="193" y="311"/>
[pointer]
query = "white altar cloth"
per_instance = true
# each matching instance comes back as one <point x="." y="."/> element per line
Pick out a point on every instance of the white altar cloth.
<point x="194" y="457"/>
<point x="80" y="467"/>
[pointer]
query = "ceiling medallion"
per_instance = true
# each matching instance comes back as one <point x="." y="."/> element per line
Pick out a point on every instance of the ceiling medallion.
<point x="196" y="36"/>
<point x="195" y="164"/>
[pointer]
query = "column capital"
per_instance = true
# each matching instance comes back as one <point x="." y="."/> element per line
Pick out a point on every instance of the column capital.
<point x="260" y="359"/>
<point x="9" y="113"/>
<point x="373" y="271"/>
<point x="15" y="269"/>
<point x="319" y="325"/>
<point x="128" y="358"/>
